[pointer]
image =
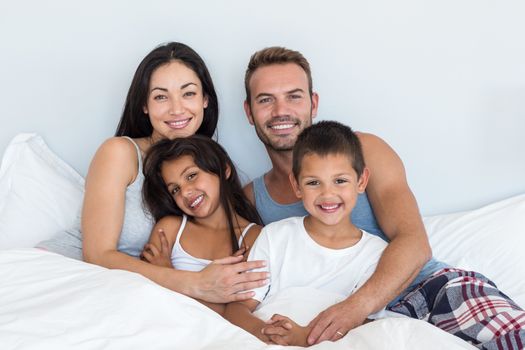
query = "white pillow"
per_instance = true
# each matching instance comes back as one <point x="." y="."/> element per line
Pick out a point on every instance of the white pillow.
<point x="489" y="240"/>
<point x="40" y="194"/>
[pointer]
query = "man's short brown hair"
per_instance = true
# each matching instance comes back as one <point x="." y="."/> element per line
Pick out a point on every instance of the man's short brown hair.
<point x="275" y="55"/>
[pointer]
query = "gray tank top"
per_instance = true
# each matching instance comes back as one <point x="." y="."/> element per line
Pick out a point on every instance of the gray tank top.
<point x="362" y="217"/>
<point x="136" y="227"/>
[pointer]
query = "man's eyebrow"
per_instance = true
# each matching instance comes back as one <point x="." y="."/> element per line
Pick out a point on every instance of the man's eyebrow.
<point x="295" y="90"/>
<point x="264" y="94"/>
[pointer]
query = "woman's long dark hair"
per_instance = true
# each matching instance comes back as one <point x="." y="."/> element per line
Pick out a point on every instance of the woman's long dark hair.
<point x="210" y="157"/>
<point x="134" y="122"/>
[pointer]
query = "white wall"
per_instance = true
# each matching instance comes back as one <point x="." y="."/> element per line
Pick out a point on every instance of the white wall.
<point x="442" y="81"/>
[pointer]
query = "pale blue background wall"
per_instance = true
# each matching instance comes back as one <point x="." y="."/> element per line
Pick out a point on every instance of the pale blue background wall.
<point x="442" y="81"/>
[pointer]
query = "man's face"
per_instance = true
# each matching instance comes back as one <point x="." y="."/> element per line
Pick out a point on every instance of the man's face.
<point x="281" y="105"/>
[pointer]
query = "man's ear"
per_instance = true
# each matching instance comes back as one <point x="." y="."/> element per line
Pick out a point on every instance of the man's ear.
<point x="295" y="186"/>
<point x="248" y="111"/>
<point x="315" y="104"/>
<point x="363" y="180"/>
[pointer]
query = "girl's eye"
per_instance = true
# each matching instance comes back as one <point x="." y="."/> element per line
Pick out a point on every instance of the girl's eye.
<point x="191" y="176"/>
<point x="175" y="190"/>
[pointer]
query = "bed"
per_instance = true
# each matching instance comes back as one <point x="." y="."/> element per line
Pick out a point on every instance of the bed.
<point x="48" y="301"/>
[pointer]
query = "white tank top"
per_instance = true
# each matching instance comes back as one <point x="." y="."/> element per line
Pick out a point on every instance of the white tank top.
<point x="182" y="260"/>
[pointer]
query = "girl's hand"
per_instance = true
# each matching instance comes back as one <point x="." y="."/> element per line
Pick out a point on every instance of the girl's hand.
<point x="224" y="280"/>
<point x="284" y="331"/>
<point x="155" y="256"/>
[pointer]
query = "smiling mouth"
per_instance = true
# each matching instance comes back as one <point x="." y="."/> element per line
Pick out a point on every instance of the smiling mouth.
<point x="178" y="124"/>
<point x="196" y="202"/>
<point x="329" y="207"/>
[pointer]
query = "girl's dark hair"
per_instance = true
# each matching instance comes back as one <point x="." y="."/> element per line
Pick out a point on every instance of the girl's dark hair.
<point x="134" y="122"/>
<point x="210" y="157"/>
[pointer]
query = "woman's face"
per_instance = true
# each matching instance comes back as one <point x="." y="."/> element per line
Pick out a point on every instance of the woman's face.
<point x="175" y="103"/>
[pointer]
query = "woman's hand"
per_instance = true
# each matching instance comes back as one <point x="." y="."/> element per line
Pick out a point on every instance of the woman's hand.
<point x="227" y="279"/>
<point x="156" y="256"/>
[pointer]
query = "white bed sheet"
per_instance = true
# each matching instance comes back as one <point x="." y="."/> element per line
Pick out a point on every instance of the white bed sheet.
<point x="48" y="301"/>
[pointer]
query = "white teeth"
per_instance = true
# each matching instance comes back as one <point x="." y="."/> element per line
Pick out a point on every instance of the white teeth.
<point x="282" y="126"/>
<point x="178" y="122"/>
<point x="329" y="207"/>
<point x="197" y="201"/>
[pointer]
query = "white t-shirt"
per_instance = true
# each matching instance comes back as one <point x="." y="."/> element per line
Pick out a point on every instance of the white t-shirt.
<point x="296" y="262"/>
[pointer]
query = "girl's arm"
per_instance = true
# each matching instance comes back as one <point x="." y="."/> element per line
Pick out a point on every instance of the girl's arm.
<point x="240" y="314"/>
<point x="113" y="168"/>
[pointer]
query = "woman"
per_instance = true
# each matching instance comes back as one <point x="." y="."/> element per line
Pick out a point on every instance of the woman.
<point x="171" y="95"/>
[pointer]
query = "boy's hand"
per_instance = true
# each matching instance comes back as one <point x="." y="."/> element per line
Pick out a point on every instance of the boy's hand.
<point x="283" y="331"/>
<point x="155" y="256"/>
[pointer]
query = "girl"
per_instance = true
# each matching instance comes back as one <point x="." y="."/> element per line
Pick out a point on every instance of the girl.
<point x="171" y="96"/>
<point x="193" y="191"/>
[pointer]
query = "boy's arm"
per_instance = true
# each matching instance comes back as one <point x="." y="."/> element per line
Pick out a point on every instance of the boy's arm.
<point x="397" y="213"/>
<point x="240" y="314"/>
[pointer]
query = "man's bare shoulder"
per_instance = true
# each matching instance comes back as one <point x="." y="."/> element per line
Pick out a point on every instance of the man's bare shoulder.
<point x="248" y="191"/>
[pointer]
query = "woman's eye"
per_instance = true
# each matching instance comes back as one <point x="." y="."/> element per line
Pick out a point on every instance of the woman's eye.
<point x="190" y="94"/>
<point x="159" y="97"/>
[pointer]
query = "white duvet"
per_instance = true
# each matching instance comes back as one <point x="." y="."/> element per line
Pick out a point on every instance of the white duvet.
<point x="51" y="302"/>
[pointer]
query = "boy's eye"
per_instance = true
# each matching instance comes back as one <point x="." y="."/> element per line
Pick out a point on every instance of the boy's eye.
<point x="340" y="181"/>
<point x="312" y="183"/>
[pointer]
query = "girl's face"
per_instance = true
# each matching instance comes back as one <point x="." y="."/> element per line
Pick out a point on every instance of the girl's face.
<point x="175" y="103"/>
<point x="195" y="191"/>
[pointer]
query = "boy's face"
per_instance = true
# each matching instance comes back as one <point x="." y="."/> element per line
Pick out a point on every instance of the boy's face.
<point x="328" y="186"/>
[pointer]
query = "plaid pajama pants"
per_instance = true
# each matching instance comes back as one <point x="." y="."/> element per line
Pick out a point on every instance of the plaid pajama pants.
<point x="468" y="305"/>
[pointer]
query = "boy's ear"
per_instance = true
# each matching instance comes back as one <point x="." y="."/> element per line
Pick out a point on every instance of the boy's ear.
<point x="363" y="180"/>
<point x="295" y="186"/>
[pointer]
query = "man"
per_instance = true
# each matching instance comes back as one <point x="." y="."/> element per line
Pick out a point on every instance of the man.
<point x="280" y="103"/>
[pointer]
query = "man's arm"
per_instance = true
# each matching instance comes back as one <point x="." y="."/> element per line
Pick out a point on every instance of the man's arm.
<point x="397" y="213"/>
<point x="248" y="191"/>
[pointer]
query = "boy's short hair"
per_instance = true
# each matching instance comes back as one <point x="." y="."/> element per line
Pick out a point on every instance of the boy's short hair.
<point x="275" y="55"/>
<point x="325" y="138"/>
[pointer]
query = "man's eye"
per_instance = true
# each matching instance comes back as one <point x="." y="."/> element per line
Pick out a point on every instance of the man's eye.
<point x="264" y="100"/>
<point x="295" y="97"/>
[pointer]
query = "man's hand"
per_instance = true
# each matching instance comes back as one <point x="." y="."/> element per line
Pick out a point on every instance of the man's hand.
<point x="333" y="323"/>
<point x="283" y="331"/>
<point x="156" y="256"/>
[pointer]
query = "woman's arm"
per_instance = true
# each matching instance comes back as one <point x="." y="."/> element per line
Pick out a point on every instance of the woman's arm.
<point x="113" y="168"/>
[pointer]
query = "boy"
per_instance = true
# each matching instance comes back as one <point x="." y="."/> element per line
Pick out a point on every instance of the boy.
<point x="322" y="254"/>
